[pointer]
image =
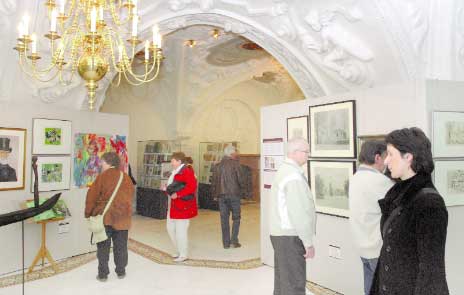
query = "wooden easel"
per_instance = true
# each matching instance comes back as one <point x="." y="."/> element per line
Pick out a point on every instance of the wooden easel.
<point x="43" y="251"/>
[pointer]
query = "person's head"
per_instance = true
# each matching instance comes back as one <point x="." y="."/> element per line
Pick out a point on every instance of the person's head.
<point x="230" y="151"/>
<point x="189" y="161"/>
<point x="409" y="152"/>
<point x="5" y="148"/>
<point x="110" y="160"/>
<point x="373" y="153"/>
<point x="298" y="150"/>
<point x="177" y="159"/>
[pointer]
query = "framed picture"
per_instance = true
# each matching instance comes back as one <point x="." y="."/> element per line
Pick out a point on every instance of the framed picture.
<point x="297" y="127"/>
<point x="449" y="181"/>
<point x="333" y="130"/>
<point x="362" y="139"/>
<point x="12" y="158"/>
<point x="448" y="134"/>
<point x="329" y="181"/>
<point x="54" y="173"/>
<point x="51" y="137"/>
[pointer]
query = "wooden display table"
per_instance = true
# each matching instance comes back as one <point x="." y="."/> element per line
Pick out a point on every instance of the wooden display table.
<point x="43" y="251"/>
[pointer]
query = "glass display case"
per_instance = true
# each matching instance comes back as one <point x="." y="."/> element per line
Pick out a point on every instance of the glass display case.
<point x="211" y="153"/>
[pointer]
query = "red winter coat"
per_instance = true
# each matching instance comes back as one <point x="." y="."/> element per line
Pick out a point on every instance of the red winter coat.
<point x="185" y="205"/>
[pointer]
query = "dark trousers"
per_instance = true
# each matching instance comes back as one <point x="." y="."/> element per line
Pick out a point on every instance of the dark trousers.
<point x="119" y="238"/>
<point x="229" y="204"/>
<point x="289" y="265"/>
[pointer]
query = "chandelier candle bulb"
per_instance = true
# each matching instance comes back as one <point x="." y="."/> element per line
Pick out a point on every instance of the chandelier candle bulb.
<point x="158" y="40"/>
<point x="147" y="52"/>
<point x="155" y="35"/>
<point x="34" y="43"/>
<point x="26" y="25"/>
<point x="134" y="25"/>
<point x="62" y="5"/>
<point x="21" y="30"/>
<point x="120" y="53"/>
<point x="53" y="20"/>
<point x="93" y="20"/>
<point x="100" y="14"/>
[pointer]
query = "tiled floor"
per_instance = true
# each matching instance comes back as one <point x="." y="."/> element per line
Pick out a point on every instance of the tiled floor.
<point x="205" y="240"/>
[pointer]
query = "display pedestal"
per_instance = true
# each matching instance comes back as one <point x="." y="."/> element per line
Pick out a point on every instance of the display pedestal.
<point x="43" y="251"/>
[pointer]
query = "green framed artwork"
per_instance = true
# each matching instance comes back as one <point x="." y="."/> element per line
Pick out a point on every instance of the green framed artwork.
<point x="51" y="137"/>
<point x="54" y="173"/>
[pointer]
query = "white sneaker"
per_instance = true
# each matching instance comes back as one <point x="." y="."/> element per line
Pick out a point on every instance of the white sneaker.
<point x="180" y="259"/>
<point x="309" y="292"/>
<point x="174" y="255"/>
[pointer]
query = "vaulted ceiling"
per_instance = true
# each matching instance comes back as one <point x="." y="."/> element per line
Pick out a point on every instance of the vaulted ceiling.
<point x="326" y="46"/>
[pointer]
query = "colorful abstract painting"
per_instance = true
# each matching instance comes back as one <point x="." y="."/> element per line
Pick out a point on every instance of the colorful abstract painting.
<point x="87" y="153"/>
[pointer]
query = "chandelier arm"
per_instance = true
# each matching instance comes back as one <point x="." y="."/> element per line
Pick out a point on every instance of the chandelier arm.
<point x="144" y="80"/>
<point x="116" y="19"/>
<point x="147" y="73"/>
<point x="24" y="62"/>
<point x="34" y="74"/>
<point x="119" y="80"/>
<point x="64" y="82"/>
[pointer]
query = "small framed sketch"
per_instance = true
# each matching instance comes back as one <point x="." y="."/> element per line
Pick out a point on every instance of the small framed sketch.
<point x="54" y="173"/>
<point x="329" y="182"/>
<point x="333" y="130"/>
<point x="449" y="181"/>
<point x="297" y="127"/>
<point x="12" y="158"/>
<point x="52" y="137"/>
<point x="448" y="134"/>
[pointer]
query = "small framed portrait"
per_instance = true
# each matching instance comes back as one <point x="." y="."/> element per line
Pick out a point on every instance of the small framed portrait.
<point x="333" y="130"/>
<point x="51" y="137"/>
<point x="449" y="181"/>
<point x="448" y="134"/>
<point x="54" y="173"/>
<point x="12" y="158"/>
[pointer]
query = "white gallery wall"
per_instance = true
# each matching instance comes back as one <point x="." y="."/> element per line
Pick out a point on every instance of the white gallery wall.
<point x="77" y="240"/>
<point x="378" y="111"/>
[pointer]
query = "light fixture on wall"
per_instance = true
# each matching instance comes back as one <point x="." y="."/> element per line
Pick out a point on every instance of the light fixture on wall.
<point x="86" y="36"/>
<point x="191" y="43"/>
<point x="215" y="33"/>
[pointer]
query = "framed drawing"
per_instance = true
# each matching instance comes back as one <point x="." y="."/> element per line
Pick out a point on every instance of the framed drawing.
<point x="448" y="134"/>
<point x="449" y="181"/>
<point x="297" y="127"/>
<point x="333" y="130"/>
<point x="362" y="139"/>
<point x="329" y="181"/>
<point x="52" y="137"/>
<point x="12" y="158"/>
<point x="54" y="173"/>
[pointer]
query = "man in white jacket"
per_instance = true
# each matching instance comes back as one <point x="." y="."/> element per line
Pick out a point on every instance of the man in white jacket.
<point x="367" y="186"/>
<point x="292" y="221"/>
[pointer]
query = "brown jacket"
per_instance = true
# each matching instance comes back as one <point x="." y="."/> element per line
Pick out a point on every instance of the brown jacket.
<point x="227" y="178"/>
<point x="119" y="214"/>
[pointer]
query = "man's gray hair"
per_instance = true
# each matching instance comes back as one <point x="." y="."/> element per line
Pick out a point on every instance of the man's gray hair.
<point x="297" y="144"/>
<point x="229" y="150"/>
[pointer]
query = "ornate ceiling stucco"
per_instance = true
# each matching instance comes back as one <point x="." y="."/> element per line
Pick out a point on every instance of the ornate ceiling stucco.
<point x="327" y="46"/>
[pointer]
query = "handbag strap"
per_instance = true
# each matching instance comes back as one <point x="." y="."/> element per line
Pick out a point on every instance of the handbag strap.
<point x="114" y="193"/>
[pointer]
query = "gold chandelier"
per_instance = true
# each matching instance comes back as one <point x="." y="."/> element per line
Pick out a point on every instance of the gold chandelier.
<point x="85" y="37"/>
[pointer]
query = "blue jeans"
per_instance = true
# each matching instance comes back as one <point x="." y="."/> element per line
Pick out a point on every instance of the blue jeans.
<point x="229" y="204"/>
<point x="369" y="266"/>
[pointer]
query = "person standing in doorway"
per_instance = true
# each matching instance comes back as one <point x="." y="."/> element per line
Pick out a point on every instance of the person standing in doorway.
<point x="227" y="186"/>
<point x="292" y="221"/>
<point x="367" y="186"/>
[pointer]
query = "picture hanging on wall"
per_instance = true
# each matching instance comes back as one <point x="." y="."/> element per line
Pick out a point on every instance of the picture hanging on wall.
<point x="329" y="182"/>
<point x="449" y="181"/>
<point x="297" y="127"/>
<point x="12" y="158"/>
<point x="448" y="134"/>
<point x="364" y="138"/>
<point x="51" y="137"/>
<point x="88" y="149"/>
<point x="333" y="130"/>
<point x="54" y="173"/>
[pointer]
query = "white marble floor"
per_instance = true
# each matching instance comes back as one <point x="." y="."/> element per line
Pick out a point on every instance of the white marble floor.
<point x="205" y="240"/>
<point x="147" y="278"/>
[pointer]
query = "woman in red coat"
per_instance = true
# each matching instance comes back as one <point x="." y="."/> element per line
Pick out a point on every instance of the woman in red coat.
<point x="181" y="189"/>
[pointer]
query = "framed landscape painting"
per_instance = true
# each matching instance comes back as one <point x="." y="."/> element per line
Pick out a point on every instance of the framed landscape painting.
<point x="362" y="139"/>
<point x="51" y="137"/>
<point x="297" y="127"/>
<point x="333" y="130"/>
<point x="448" y="134"/>
<point x="329" y="182"/>
<point x="54" y="173"/>
<point x="12" y="158"/>
<point x="449" y="181"/>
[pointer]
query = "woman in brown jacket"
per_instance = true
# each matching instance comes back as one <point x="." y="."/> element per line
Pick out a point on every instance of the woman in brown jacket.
<point x="117" y="219"/>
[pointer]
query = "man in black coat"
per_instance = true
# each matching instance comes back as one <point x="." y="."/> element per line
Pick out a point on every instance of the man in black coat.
<point x="7" y="173"/>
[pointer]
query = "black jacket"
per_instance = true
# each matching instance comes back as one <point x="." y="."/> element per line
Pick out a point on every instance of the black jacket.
<point x="227" y="178"/>
<point x="412" y="259"/>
